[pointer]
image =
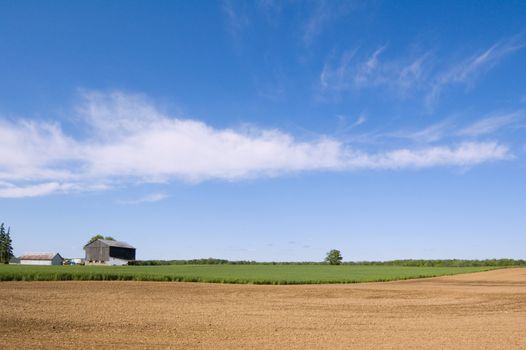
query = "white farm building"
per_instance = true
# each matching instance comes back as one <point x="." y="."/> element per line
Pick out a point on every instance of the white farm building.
<point x="41" y="259"/>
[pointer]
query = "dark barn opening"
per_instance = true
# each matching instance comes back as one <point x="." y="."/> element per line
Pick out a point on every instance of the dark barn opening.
<point x="122" y="253"/>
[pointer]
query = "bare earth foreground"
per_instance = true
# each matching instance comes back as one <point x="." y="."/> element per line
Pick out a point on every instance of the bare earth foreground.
<point x="485" y="310"/>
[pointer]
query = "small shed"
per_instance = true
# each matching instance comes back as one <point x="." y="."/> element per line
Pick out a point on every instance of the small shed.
<point x="108" y="252"/>
<point x="14" y="260"/>
<point x="41" y="259"/>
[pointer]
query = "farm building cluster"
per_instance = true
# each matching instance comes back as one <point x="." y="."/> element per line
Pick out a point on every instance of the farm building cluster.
<point x="98" y="252"/>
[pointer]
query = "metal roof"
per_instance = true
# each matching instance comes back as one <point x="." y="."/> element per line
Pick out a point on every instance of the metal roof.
<point x="39" y="256"/>
<point x="116" y="243"/>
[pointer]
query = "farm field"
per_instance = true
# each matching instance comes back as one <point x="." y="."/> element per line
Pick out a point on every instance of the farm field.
<point x="255" y="274"/>
<point x="485" y="310"/>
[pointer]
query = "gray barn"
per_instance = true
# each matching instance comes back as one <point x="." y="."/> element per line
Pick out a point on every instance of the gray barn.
<point x="108" y="252"/>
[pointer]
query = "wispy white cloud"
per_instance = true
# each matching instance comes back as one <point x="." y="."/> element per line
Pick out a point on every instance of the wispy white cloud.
<point x="354" y="71"/>
<point x="452" y="129"/>
<point x="321" y="16"/>
<point x="315" y="22"/>
<point x="367" y="69"/>
<point x="468" y="70"/>
<point x="346" y="123"/>
<point x="236" y="19"/>
<point x="129" y="140"/>
<point x="336" y="76"/>
<point x="464" y="155"/>
<point x="27" y="190"/>
<point x="152" y="197"/>
<point x="491" y="124"/>
<point x="423" y="73"/>
<point x="8" y="190"/>
<point x="359" y="121"/>
<point x="429" y="134"/>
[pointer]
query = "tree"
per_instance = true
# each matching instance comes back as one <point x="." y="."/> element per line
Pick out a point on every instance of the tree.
<point x="2" y="243"/>
<point x="9" y="245"/>
<point x="334" y="257"/>
<point x="94" y="238"/>
<point x="6" y="245"/>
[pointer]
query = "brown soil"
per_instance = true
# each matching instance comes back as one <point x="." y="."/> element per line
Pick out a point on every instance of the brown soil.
<point x="477" y="311"/>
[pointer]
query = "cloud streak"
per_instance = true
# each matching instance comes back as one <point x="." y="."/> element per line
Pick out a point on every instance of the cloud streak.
<point x="469" y="69"/>
<point x="353" y="71"/>
<point x="320" y="17"/>
<point x="236" y="20"/>
<point x="315" y="22"/>
<point x="491" y="124"/>
<point x="8" y="190"/>
<point x="128" y="140"/>
<point x="449" y="129"/>
<point x="150" y="198"/>
<point x="423" y="73"/>
<point x="429" y="134"/>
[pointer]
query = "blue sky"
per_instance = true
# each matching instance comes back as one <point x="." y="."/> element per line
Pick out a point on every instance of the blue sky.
<point x="265" y="130"/>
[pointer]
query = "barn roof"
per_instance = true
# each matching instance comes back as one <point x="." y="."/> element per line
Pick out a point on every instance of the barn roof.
<point x="116" y="243"/>
<point x="39" y="256"/>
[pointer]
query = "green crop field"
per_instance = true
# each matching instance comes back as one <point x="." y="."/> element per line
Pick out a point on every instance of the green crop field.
<point x="256" y="274"/>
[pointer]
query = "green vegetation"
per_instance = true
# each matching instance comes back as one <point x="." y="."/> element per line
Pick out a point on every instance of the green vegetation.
<point x="228" y="273"/>
<point x="6" y="245"/>
<point x="334" y="257"/>
<point x="413" y="263"/>
<point x="445" y="263"/>
<point x="94" y="238"/>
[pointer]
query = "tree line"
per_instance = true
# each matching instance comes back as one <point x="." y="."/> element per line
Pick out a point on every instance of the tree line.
<point x="333" y="257"/>
<point x="444" y="262"/>
<point x="411" y="263"/>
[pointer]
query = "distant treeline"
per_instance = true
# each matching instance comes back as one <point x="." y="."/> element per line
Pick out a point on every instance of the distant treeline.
<point x="444" y="263"/>
<point x="414" y="263"/>
<point x="208" y="261"/>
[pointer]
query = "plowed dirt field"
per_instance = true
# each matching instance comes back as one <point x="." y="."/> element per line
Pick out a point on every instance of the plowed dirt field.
<point x="485" y="310"/>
